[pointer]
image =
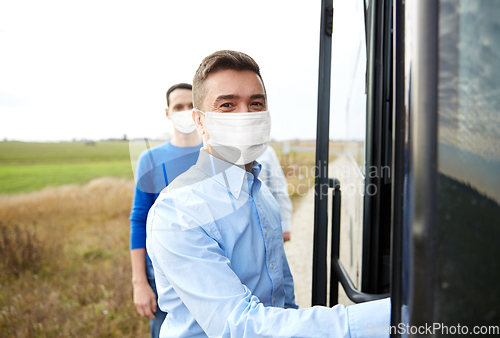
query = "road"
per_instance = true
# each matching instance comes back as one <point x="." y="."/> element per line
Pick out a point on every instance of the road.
<point x="299" y="249"/>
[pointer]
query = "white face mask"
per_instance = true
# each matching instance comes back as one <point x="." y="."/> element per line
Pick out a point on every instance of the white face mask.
<point x="183" y="121"/>
<point x="238" y="137"/>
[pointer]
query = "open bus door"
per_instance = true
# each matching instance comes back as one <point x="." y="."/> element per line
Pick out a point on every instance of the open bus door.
<point x="430" y="84"/>
<point x="373" y="217"/>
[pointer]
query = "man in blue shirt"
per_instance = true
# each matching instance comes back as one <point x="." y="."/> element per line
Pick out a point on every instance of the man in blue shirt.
<point x="215" y="236"/>
<point x="156" y="168"/>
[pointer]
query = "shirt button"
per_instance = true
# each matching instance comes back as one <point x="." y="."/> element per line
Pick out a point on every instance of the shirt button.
<point x="265" y="231"/>
<point x="235" y="191"/>
<point x="246" y="175"/>
<point x="272" y="266"/>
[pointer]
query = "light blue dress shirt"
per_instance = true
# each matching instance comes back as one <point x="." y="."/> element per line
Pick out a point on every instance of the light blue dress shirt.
<point x="272" y="175"/>
<point x="216" y="244"/>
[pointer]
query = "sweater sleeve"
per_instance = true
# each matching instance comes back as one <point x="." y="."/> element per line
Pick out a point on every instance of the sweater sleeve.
<point x="144" y="198"/>
<point x="141" y="204"/>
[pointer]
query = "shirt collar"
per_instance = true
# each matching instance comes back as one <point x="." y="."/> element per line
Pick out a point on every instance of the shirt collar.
<point x="226" y="174"/>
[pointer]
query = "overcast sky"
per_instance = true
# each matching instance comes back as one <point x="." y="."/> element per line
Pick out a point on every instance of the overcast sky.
<point x="100" y="69"/>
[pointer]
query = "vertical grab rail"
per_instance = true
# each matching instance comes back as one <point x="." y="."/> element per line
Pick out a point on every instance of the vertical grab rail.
<point x="319" y="277"/>
<point x="335" y="244"/>
<point x="337" y="272"/>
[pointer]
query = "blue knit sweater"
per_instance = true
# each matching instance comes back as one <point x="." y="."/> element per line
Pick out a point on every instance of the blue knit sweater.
<point x="156" y="168"/>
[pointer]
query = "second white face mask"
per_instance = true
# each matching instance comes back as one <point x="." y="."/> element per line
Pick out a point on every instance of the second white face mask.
<point x="183" y="121"/>
<point x="239" y="137"/>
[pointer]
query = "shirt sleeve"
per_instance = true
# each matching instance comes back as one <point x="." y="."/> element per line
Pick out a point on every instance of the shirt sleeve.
<point x="279" y="188"/>
<point x="370" y="319"/>
<point x="196" y="266"/>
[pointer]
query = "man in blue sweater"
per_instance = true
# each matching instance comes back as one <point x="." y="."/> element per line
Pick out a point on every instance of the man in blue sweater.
<point x="156" y="168"/>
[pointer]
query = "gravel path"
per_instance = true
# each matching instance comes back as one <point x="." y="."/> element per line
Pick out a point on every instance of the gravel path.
<point x="299" y="249"/>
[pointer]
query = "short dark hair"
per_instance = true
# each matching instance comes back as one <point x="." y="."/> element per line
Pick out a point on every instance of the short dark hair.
<point x="177" y="86"/>
<point x="221" y="60"/>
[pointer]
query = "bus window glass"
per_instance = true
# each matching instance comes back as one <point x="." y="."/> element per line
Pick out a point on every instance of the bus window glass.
<point x="468" y="163"/>
<point x="348" y="123"/>
<point x="348" y="79"/>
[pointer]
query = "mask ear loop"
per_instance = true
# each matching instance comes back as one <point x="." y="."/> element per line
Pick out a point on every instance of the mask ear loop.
<point x="199" y="111"/>
<point x="204" y="141"/>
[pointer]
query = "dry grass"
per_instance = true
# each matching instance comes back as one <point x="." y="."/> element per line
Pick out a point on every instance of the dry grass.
<point x="70" y="274"/>
<point x="21" y="251"/>
<point x="65" y="266"/>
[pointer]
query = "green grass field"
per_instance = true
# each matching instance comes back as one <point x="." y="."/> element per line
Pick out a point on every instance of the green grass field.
<point x="32" y="166"/>
<point x="64" y="263"/>
<point x="29" y="166"/>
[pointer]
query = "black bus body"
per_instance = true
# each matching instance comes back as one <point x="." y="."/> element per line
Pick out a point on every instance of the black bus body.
<point x="424" y="228"/>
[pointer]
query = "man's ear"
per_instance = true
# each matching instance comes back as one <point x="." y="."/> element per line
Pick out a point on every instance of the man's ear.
<point x="197" y="122"/>
<point x="166" y="113"/>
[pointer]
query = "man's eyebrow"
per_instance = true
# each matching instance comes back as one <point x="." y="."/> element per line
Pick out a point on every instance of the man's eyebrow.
<point x="226" y="97"/>
<point x="258" y="96"/>
<point x="236" y="97"/>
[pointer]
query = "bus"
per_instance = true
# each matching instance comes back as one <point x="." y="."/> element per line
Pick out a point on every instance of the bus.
<point x="422" y="118"/>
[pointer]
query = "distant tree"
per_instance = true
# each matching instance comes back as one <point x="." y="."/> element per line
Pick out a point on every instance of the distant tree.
<point x="125" y="137"/>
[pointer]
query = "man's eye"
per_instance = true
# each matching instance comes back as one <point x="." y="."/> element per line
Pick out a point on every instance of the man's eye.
<point x="227" y="105"/>
<point x="257" y="106"/>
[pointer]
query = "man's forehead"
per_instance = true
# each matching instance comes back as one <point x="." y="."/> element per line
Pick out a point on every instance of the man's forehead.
<point x="226" y="82"/>
<point x="180" y="93"/>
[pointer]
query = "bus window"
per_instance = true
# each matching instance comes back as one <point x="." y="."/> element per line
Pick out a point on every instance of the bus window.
<point x="349" y="106"/>
<point x="468" y="210"/>
<point x="361" y="96"/>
